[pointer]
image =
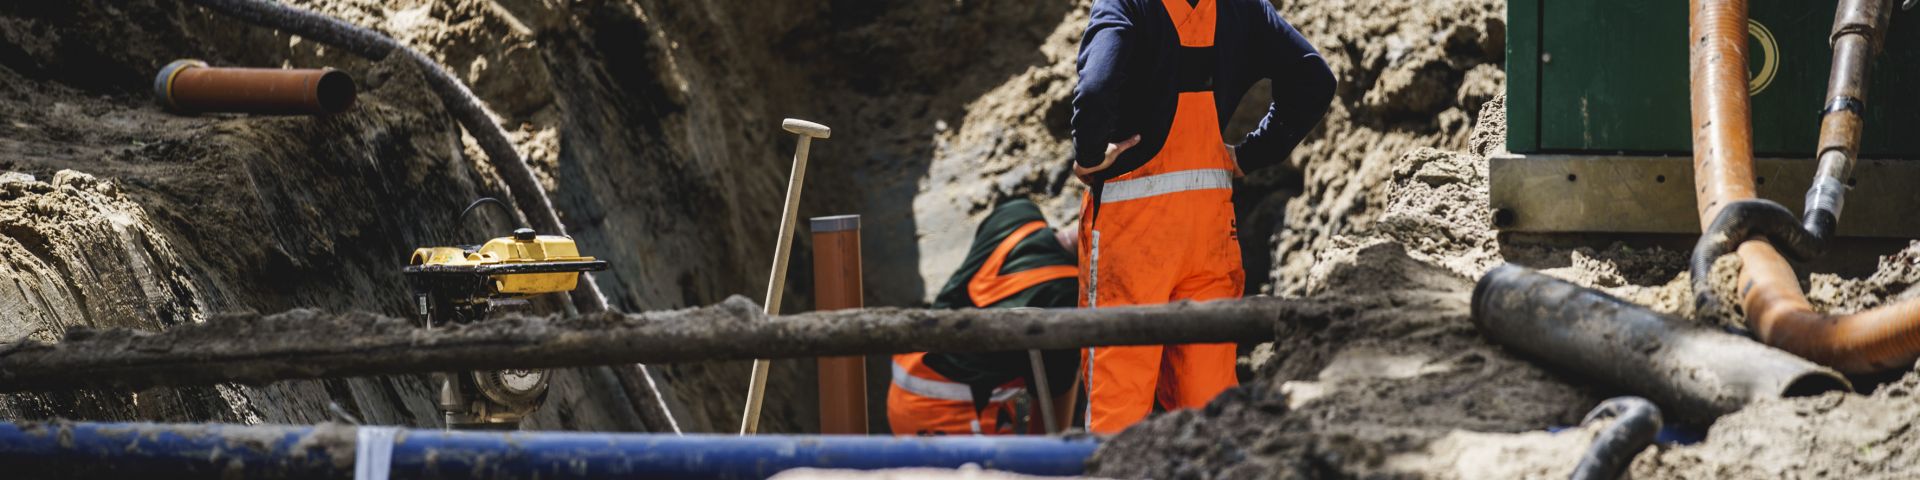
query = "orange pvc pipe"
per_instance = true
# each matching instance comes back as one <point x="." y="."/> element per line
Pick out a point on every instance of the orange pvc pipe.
<point x="837" y="285"/>
<point x="190" y="86"/>
<point x="1777" y="311"/>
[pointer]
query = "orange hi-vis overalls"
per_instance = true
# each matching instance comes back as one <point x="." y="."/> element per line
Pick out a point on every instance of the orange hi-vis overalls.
<point x="1161" y="233"/>
<point x="923" y="402"/>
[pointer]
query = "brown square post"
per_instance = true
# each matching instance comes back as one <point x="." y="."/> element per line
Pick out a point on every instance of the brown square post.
<point x="837" y="285"/>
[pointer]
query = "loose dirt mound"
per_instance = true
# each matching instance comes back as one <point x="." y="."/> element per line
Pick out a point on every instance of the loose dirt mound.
<point x="1412" y="74"/>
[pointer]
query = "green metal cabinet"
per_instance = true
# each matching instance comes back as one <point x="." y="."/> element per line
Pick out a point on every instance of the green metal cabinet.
<point x="1610" y="77"/>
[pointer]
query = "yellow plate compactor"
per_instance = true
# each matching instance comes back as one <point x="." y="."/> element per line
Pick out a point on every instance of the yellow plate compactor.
<point x="465" y="284"/>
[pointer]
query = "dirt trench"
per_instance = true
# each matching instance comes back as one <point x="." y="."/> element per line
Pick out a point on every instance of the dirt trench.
<point x="653" y="124"/>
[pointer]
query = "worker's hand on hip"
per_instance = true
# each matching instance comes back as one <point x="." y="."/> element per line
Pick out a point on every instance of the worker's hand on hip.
<point x="1233" y="159"/>
<point x="1113" y="152"/>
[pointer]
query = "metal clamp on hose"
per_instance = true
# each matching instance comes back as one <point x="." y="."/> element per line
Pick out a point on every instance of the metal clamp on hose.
<point x="1845" y="103"/>
<point x="1824" y="200"/>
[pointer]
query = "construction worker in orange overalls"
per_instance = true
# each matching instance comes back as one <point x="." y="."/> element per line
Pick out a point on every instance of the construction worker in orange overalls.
<point x="1158" y="80"/>
<point x="1016" y="261"/>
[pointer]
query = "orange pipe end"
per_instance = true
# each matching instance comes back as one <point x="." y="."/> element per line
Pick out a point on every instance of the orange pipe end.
<point x="190" y="86"/>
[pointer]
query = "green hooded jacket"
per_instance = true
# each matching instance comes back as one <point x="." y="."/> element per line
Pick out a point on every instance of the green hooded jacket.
<point x="984" y="371"/>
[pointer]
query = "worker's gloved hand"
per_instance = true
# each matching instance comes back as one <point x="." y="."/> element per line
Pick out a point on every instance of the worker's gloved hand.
<point x="1113" y="152"/>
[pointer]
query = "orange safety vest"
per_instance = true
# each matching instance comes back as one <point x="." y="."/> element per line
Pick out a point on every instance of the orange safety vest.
<point x="1161" y="233"/>
<point x="923" y="402"/>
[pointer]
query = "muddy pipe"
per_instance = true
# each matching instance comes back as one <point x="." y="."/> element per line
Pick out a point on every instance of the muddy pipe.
<point x="1697" y="372"/>
<point x="190" y="86"/>
<point x="1777" y="311"/>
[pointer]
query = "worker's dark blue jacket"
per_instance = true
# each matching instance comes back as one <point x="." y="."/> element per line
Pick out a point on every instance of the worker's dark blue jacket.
<point x="1129" y="80"/>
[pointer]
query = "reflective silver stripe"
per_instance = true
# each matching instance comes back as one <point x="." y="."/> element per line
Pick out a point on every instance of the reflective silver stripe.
<point x="1093" y="273"/>
<point x="1089" y="416"/>
<point x="958" y="392"/>
<point x="1165" y="183"/>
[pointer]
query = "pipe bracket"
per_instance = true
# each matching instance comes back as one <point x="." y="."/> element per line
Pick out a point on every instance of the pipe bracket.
<point x="1860" y="17"/>
<point x="1845" y="103"/>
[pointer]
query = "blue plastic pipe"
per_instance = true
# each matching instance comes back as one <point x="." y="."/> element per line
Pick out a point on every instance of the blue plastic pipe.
<point x="150" y="450"/>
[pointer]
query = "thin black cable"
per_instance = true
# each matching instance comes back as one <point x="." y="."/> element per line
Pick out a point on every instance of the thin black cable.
<point x="488" y="201"/>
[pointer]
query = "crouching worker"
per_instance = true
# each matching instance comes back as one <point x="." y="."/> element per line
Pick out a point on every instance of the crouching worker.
<point x="1016" y="260"/>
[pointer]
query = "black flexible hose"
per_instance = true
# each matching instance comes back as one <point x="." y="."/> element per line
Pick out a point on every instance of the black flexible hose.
<point x="1756" y="218"/>
<point x="1636" y="422"/>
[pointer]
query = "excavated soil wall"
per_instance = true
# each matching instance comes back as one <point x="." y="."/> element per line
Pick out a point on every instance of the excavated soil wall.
<point x="654" y="125"/>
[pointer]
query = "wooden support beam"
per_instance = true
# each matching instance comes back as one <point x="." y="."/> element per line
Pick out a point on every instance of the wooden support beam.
<point x="304" y="344"/>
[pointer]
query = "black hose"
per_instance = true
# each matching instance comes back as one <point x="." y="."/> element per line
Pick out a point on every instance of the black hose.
<point x="1636" y="422"/>
<point x="1756" y="218"/>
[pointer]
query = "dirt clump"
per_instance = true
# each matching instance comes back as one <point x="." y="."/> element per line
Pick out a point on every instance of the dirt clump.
<point x="1839" y="435"/>
<point x="1412" y="74"/>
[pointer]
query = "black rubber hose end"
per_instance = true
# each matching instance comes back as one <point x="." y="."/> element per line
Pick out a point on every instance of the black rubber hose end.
<point x="1821" y="223"/>
<point x="1636" y="423"/>
<point x="1755" y="218"/>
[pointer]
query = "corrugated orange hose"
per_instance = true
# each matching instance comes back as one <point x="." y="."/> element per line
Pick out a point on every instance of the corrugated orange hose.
<point x="1777" y="311"/>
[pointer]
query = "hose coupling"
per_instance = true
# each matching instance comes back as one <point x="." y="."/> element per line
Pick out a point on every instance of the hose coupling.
<point x="1828" y="194"/>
